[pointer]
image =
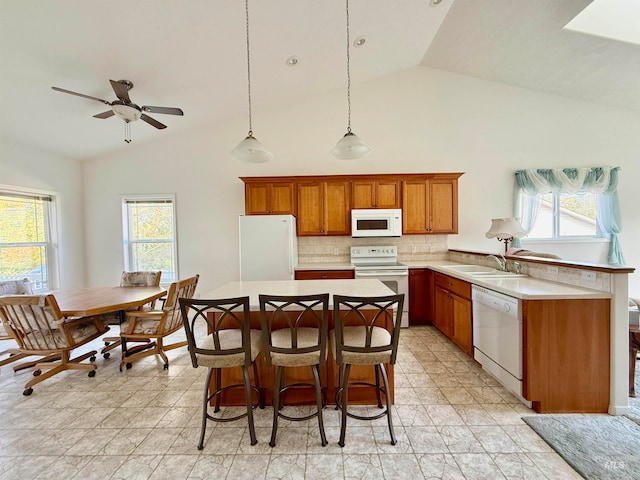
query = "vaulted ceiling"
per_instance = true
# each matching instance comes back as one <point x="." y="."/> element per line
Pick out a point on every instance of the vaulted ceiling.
<point x="192" y="55"/>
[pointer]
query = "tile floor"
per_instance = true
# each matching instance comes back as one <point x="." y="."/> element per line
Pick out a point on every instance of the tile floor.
<point x="452" y="420"/>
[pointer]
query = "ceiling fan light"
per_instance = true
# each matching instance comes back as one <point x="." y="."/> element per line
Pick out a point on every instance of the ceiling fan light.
<point x="349" y="147"/>
<point x="250" y="150"/>
<point x="126" y="112"/>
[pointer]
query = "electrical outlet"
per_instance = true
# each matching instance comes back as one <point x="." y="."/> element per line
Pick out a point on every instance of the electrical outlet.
<point x="588" y="275"/>
<point x="432" y="248"/>
<point x="414" y="248"/>
<point x="336" y="251"/>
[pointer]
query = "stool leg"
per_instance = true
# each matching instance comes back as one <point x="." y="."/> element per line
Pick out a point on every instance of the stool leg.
<point x="203" y="429"/>
<point x="276" y="405"/>
<point x="257" y="380"/>
<point x="316" y="377"/>
<point x="388" y="397"/>
<point x="345" y="396"/>
<point x="217" y="387"/>
<point x="633" y="353"/>
<point x="339" y="390"/>
<point x="376" y="369"/>
<point x="247" y="394"/>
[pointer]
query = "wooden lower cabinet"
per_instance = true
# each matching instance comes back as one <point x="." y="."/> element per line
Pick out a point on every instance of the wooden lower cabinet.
<point x="566" y="352"/>
<point x="452" y="312"/>
<point x="420" y="296"/>
<point x="324" y="274"/>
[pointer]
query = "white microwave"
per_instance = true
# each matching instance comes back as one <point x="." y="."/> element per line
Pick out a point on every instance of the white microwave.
<point x="371" y="222"/>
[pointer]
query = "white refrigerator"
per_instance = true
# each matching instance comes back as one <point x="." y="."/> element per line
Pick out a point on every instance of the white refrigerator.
<point x="268" y="247"/>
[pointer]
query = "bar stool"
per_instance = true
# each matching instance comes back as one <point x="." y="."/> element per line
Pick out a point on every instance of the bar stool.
<point x="230" y="342"/>
<point x="296" y="336"/>
<point x="367" y="332"/>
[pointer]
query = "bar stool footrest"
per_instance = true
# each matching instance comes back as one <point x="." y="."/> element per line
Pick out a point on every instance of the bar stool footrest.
<point x="360" y="417"/>
<point x="237" y="417"/>
<point x="306" y="417"/>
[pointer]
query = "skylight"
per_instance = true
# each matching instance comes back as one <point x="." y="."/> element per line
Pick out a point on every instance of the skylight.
<point x="615" y="19"/>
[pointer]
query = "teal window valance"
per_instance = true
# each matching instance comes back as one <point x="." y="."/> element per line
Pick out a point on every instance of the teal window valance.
<point x="602" y="181"/>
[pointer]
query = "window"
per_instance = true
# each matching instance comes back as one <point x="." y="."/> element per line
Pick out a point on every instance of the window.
<point x="566" y="216"/>
<point x="150" y="235"/>
<point x="26" y="239"/>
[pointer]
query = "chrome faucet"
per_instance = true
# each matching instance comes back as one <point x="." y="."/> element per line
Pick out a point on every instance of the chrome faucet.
<point x="502" y="262"/>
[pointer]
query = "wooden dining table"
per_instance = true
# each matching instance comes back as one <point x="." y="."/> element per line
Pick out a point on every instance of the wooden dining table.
<point x="84" y="302"/>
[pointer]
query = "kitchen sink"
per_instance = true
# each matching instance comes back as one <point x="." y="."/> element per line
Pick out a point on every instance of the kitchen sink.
<point x="481" y="271"/>
<point x="471" y="269"/>
<point x="496" y="274"/>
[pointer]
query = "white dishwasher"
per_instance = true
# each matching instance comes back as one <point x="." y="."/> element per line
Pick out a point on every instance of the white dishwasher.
<point x="497" y="336"/>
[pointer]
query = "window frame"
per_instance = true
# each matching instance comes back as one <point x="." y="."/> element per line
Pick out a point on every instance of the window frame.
<point x="600" y="236"/>
<point x="127" y="200"/>
<point x="51" y="215"/>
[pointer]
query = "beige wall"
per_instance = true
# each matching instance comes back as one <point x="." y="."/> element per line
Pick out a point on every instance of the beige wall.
<point x="22" y="166"/>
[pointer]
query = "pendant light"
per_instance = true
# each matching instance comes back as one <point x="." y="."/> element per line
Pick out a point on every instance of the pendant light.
<point x="350" y="146"/>
<point x="250" y="149"/>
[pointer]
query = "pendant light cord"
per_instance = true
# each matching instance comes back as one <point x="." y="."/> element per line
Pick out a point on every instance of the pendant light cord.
<point x="246" y="7"/>
<point x="348" y="74"/>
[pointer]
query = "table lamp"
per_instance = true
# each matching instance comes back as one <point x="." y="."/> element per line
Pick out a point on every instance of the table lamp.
<point x="506" y="229"/>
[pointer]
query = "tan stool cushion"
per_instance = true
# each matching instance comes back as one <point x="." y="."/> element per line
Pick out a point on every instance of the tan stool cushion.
<point x="355" y="337"/>
<point x="231" y="338"/>
<point x="307" y="337"/>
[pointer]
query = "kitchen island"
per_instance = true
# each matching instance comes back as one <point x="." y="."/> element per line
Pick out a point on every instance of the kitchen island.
<point x="328" y="372"/>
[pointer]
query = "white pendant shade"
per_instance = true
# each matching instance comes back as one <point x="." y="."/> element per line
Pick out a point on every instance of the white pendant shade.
<point x="349" y="147"/>
<point x="251" y="150"/>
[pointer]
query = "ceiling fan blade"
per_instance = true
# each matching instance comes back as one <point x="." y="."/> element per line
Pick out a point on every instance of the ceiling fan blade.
<point x="165" y="110"/>
<point x="121" y="90"/>
<point x="107" y="114"/>
<point x="152" y="121"/>
<point x="58" y="89"/>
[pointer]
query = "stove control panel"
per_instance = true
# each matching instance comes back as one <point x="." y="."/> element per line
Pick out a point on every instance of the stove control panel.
<point x="369" y="252"/>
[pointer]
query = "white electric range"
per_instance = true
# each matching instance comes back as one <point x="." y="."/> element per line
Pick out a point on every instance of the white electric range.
<point x="382" y="264"/>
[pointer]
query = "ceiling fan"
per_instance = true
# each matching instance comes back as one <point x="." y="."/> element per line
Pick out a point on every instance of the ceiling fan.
<point x="125" y="109"/>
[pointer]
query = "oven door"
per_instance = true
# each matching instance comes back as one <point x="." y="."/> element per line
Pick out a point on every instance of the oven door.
<point x="395" y="280"/>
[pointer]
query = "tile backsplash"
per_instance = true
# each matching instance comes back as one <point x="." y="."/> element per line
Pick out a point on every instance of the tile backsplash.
<point x="337" y="249"/>
<point x="324" y="250"/>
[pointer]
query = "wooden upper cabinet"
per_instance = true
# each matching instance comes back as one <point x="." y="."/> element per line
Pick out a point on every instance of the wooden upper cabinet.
<point x="324" y="208"/>
<point x="430" y="205"/>
<point x="269" y="198"/>
<point x="375" y="194"/>
<point x="322" y="204"/>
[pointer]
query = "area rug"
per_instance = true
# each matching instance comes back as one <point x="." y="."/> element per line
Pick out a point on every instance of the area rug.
<point x="598" y="447"/>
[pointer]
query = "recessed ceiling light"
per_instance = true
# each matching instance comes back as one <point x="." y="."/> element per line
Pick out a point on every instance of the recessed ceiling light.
<point x="360" y="41"/>
<point x="292" y="61"/>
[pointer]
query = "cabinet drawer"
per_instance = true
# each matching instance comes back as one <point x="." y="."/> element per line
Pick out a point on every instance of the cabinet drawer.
<point x="324" y="274"/>
<point x="459" y="287"/>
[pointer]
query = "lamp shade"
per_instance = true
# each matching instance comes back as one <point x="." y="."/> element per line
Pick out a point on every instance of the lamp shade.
<point x="349" y="147"/>
<point x="506" y="228"/>
<point x="251" y="150"/>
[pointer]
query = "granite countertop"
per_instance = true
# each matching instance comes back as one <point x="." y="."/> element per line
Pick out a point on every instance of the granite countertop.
<point x="526" y="288"/>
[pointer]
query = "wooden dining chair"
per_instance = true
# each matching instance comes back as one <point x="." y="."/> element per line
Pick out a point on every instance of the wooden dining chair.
<point x="39" y="328"/>
<point x="367" y="332"/>
<point x="129" y="279"/>
<point x="220" y="336"/>
<point x="154" y="326"/>
<point x="296" y="334"/>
